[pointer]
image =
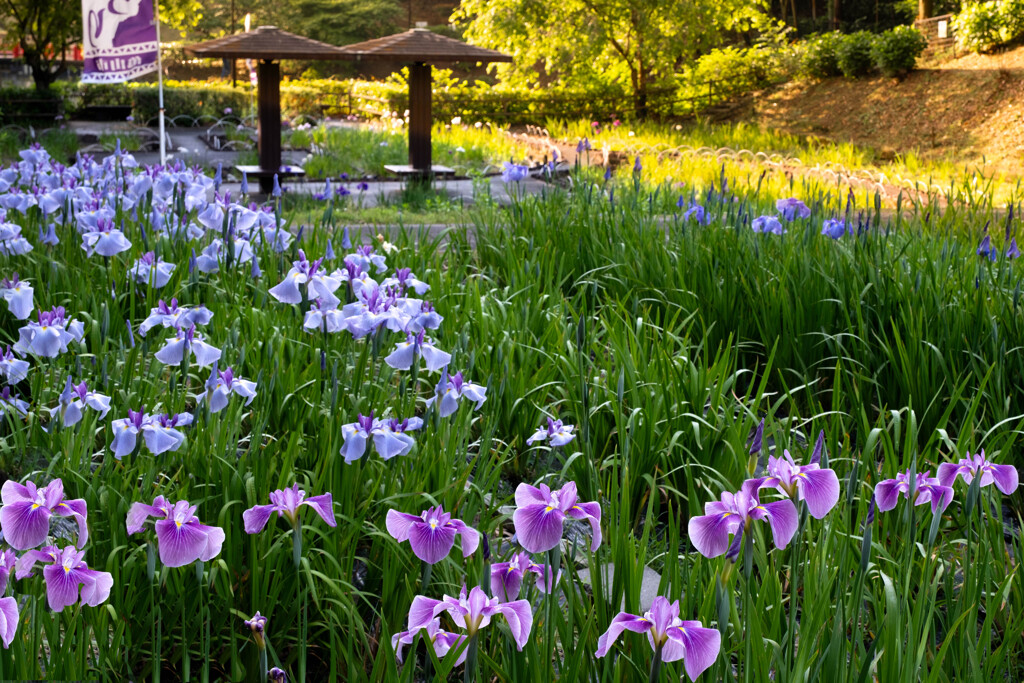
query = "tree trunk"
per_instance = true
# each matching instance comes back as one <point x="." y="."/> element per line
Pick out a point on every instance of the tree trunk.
<point x="925" y="9"/>
<point x="835" y="15"/>
<point x="42" y="73"/>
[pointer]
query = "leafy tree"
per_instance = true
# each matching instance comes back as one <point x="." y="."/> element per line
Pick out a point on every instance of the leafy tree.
<point x="340" y="22"/>
<point x="44" y="30"/>
<point x="636" y="45"/>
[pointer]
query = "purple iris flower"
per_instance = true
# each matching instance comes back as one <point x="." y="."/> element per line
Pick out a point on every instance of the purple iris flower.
<point x="149" y="270"/>
<point x="697" y="212"/>
<point x="426" y="318"/>
<point x="277" y="675"/>
<point x="50" y="336"/>
<point x="442" y="641"/>
<point x="7" y="560"/>
<point x="180" y="537"/>
<point x="926" y="489"/>
<point x="12" y="369"/>
<point x="173" y="315"/>
<point x="104" y="240"/>
<point x="326" y="194"/>
<point x="689" y="641"/>
<point x="834" y="228"/>
<point x="792" y="208"/>
<point x="221" y="385"/>
<point x="323" y="317"/>
<point x="286" y="502"/>
<point x="405" y="280"/>
<point x="405" y="353"/>
<point x="76" y="397"/>
<point x="540" y="512"/>
<point x="258" y="626"/>
<point x="1005" y="477"/>
<point x="514" y="173"/>
<point x="507" y="577"/>
<point x="11" y="241"/>
<point x="985" y="248"/>
<point x="473" y="612"/>
<point x="556" y="432"/>
<point x="818" y="487"/>
<point x="158" y="432"/>
<point x="187" y="341"/>
<point x="767" y="224"/>
<point x="710" y="532"/>
<point x="1012" y="250"/>
<point x="50" y="236"/>
<point x="9" y="618"/>
<point x="10" y="402"/>
<point x="390" y="438"/>
<point x="364" y="258"/>
<point x="18" y="295"/>
<point x="355" y="436"/>
<point x="319" y="284"/>
<point x="583" y="146"/>
<point x="363" y="186"/>
<point x="65" y="573"/>
<point x="450" y="390"/>
<point x="25" y="515"/>
<point x="432" y="533"/>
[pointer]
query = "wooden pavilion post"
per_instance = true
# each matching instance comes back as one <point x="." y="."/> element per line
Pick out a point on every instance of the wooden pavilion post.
<point x="420" y="118"/>
<point x="268" y="76"/>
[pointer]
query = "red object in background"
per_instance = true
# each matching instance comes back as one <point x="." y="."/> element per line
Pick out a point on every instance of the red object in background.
<point x="76" y="53"/>
<point x="16" y="52"/>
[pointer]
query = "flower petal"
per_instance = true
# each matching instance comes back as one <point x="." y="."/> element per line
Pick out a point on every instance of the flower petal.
<point x="538" y="527"/>
<point x="820" y="490"/>
<point x="622" y="621"/>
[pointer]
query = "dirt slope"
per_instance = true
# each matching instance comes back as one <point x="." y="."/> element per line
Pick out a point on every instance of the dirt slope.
<point x="963" y="109"/>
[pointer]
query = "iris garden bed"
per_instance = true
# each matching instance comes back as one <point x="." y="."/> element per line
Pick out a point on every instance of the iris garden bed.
<point x="655" y="321"/>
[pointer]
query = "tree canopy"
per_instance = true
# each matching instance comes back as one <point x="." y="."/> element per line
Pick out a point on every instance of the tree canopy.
<point x="635" y="45"/>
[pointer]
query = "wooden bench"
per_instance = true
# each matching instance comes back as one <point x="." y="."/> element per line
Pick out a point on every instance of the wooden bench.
<point x="405" y="171"/>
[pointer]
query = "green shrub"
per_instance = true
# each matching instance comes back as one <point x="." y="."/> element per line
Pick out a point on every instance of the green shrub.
<point x="977" y="27"/>
<point x="821" y="55"/>
<point x="896" y="51"/>
<point x="1011" y="19"/>
<point x="854" y="54"/>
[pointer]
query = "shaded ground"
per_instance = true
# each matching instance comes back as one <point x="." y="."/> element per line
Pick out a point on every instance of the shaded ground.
<point x="962" y="109"/>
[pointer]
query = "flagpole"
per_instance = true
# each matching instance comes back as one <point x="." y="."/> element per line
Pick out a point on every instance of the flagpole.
<point x="160" y="82"/>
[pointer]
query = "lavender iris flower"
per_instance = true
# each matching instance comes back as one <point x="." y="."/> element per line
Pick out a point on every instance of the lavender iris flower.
<point x="318" y="283"/>
<point x="277" y="675"/>
<point x="286" y="502"/>
<point x="985" y="248"/>
<point x="697" y="212"/>
<point x="473" y="612"/>
<point x="50" y="236"/>
<point x="172" y="315"/>
<point x="818" y="487"/>
<point x="11" y="403"/>
<point x="65" y="573"/>
<point x="404" y="280"/>
<point x="364" y="258"/>
<point x="8" y="558"/>
<point x="323" y="317"/>
<point x="405" y="353"/>
<point x="540" y="513"/>
<point x="689" y="641"/>
<point x="12" y="369"/>
<point x="187" y="341"/>
<point x="450" y="390"/>
<point x="355" y="436"/>
<point x="11" y="241"/>
<point x="18" y="295"/>
<point x="149" y="270"/>
<point x="50" y="336"/>
<point x="442" y="641"/>
<point x="9" y="618"/>
<point x="181" y="539"/>
<point x="1005" y="477"/>
<point x="432" y="533"/>
<point x="767" y="224"/>
<point x="710" y="532"/>
<point x="507" y="577"/>
<point x="514" y="173"/>
<point x="556" y="432"/>
<point x="105" y="240"/>
<point x="834" y="228"/>
<point x="583" y="146"/>
<point x="926" y="489"/>
<point x="792" y="208"/>
<point x="160" y="432"/>
<point x="390" y="438"/>
<point x="25" y="515"/>
<point x="76" y="397"/>
<point x="1012" y="250"/>
<point x="221" y="385"/>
